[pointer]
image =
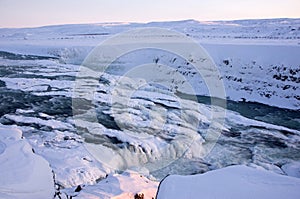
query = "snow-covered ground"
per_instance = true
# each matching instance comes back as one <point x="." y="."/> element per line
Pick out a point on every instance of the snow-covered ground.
<point x="235" y="46"/>
<point x="23" y="173"/>
<point x="231" y="182"/>
<point x="116" y="134"/>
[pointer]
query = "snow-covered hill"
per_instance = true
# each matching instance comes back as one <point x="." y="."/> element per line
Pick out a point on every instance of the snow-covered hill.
<point x="258" y="59"/>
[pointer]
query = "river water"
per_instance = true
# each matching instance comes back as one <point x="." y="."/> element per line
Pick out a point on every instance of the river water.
<point x="36" y="95"/>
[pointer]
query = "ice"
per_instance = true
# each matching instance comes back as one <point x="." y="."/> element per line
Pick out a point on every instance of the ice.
<point x="241" y="43"/>
<point x="151" y="127"/>
<point x="149" y="122"/>
<point x="71" y="162"/>
<point x="231" y="182"/>
<point x="32" y="120"/>
<point x="39" y="85"/>
<point x="166" y="126"/>
<point x="238" y="119"/>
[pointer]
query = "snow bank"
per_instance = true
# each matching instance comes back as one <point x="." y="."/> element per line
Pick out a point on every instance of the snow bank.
<point x="231" y="182"/>
<point x="70" y="161"/>
<point x="292" y="169"/>
<point x="122" y="186"/>
<point x="24" y="174"/>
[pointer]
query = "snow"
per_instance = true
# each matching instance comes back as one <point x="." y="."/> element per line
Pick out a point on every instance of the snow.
<point x="248" y="74"/>
<point x="292" y="169"/>
<point x="24" y="174"/>
<point x="234" y="117"/>
<point x="39" y="85"/>
<point x="144" y="126"/>
<point x="230" y="182"/>
<point x="252" y="76"/>
<point x="71" y="162"/>
<point x="122" y="186"/>
<point x="32" y="120"/>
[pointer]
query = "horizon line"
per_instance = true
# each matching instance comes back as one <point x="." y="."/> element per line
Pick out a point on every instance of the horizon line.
<point x="146" y="22"/>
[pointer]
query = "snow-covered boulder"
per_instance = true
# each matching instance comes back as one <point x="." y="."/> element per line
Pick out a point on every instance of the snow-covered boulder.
<point x="23" y="174"/>
<point x="231" y="182"/>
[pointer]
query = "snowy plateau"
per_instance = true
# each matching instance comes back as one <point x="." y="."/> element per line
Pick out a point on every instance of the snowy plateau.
<point x="68" y="131"/>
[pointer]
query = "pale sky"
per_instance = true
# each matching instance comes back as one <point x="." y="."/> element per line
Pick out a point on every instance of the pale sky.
<point x="32" y="13"/>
